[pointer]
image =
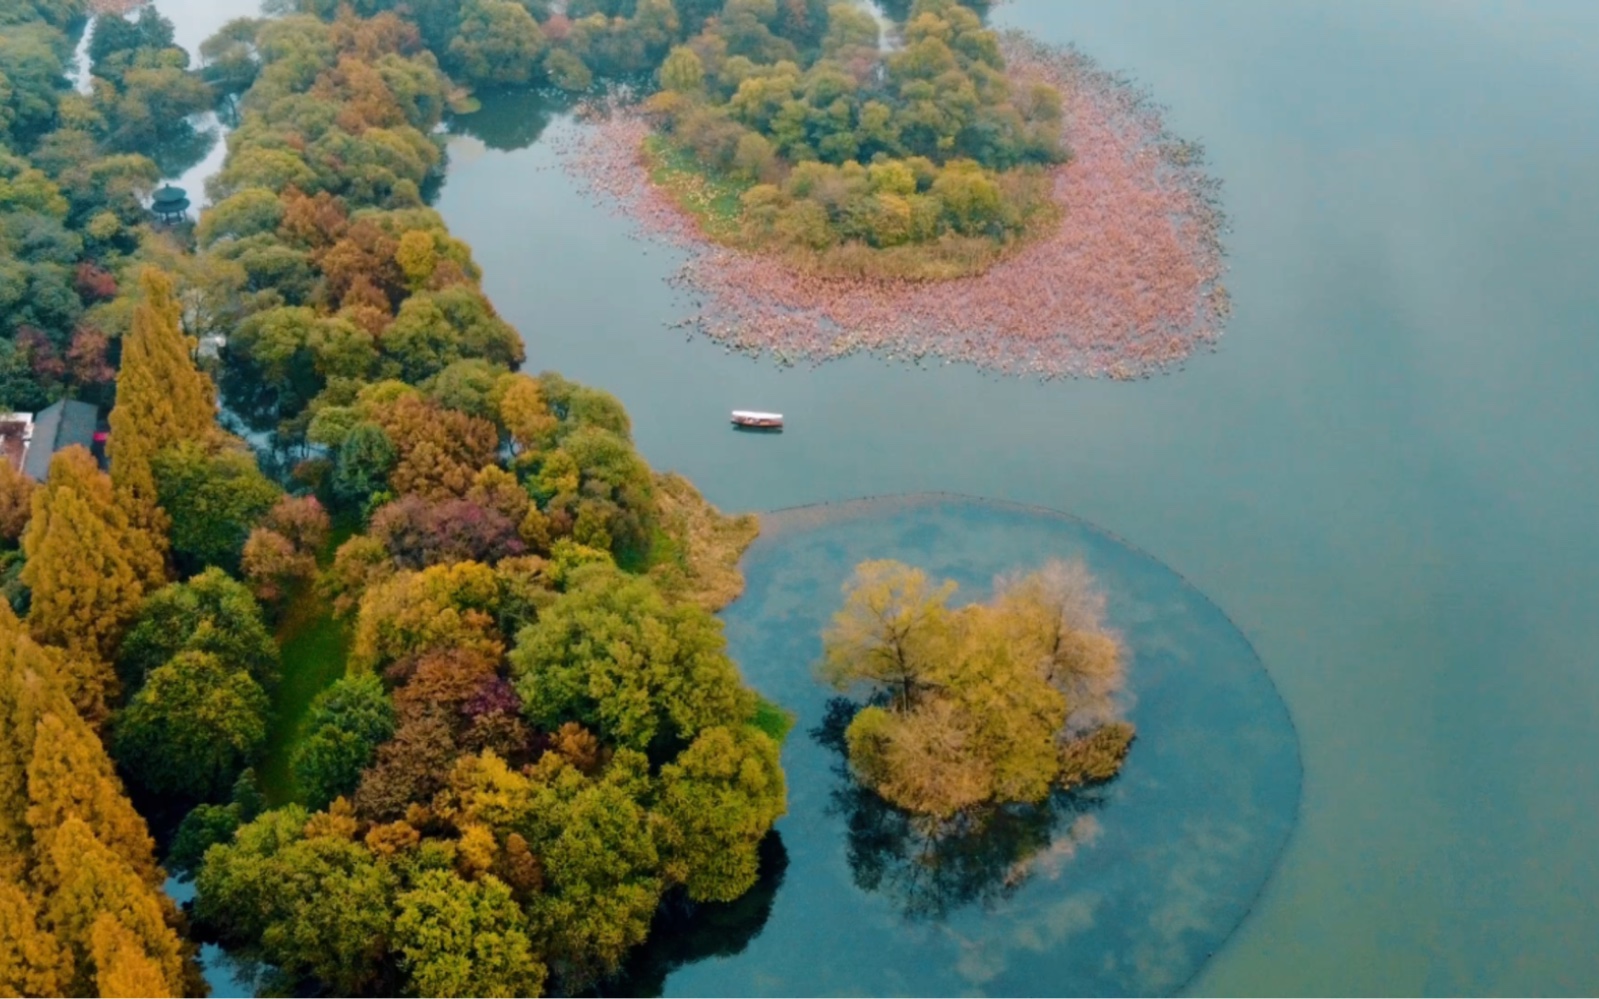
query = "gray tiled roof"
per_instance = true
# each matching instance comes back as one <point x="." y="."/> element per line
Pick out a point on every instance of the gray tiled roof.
<point x="59" y="425"/>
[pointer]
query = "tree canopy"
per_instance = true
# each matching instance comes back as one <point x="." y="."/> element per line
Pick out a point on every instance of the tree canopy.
<point x="982" y="705"/>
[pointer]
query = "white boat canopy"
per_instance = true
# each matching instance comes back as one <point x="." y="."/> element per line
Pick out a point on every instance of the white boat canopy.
<point x="749" y="414"/>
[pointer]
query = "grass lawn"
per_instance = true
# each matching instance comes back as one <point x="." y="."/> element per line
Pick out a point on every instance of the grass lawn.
<point x="314" y="647"/>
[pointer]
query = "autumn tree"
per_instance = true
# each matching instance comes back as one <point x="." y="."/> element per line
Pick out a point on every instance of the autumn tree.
<point x="281" y="552"/>
<point x="440" y="607"/>
<point x="892" y="631"/>
<point x="162" y="400"/>
<point x="975" y="706"/>
<point x="81" y="911"/>
<point x="16" y="502"/>
<point x="84" y="576"/>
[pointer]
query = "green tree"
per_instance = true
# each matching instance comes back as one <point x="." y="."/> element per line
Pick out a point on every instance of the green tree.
<point x="210" y="613"/>
<point x="499" y="43"/>
<point x="615" y="656"/>
<point x="347" y="723"/>
<point x="366" y="457"/>
<point x="306" y="897"/>
<point x="457" y="937"/>
<point x="683" y="71"/>
<point x="214" y="494"/>
<point x="193" y="726"/>
<point x="718" y="800"/>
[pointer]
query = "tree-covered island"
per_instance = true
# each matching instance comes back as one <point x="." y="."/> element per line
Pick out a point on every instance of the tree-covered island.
<point x="980" y="706"/>
<point x="923" y="161"/>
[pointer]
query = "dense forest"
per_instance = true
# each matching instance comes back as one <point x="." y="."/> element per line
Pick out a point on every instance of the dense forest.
<point x="418" y="678"/>
<point x="921" y="160"/>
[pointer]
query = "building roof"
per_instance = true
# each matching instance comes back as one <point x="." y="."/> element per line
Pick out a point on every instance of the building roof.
<point x="59" y="425"/>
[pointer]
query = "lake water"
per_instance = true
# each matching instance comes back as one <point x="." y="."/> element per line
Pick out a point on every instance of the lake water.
<point x="1122" y="889"/>
<point x="1386" y="476"/>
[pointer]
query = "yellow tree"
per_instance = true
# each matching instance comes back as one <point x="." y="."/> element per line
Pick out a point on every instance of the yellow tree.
<point x="81" y="911"/>
<point x="16" y="502"/>
<point x="84" y="576"/>
<point x="162" y="399"/>
<point x="32" y="962"/>
<point x="893" y="631"/>
<point x="102" y="909"/>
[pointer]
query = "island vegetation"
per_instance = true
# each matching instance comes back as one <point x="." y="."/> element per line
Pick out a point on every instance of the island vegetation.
<point x="981" y="706"/>
<point x="922" y="162"/>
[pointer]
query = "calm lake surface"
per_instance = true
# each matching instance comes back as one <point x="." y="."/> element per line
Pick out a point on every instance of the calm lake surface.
<point x="1386" y="476"/>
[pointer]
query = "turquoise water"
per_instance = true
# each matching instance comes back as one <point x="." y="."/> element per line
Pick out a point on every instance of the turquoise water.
<point x="1386" y="475"/>
<point x="1125" y="889"/>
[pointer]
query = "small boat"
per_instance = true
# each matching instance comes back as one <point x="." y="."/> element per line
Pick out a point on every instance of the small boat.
<point x="746" y="419"/>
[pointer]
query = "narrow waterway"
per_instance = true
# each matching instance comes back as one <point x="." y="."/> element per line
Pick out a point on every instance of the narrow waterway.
<point x="1385" y="476"/>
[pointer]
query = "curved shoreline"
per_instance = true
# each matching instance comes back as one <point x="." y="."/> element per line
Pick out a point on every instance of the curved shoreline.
<point x="1127" y="284"/>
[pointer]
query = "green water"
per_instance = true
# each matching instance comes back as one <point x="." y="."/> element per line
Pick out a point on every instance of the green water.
<point x="1386" y="476"/>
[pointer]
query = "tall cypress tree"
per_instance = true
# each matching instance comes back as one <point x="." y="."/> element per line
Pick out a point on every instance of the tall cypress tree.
<point x="84" y="575"/>
<point x="81" y="911"/>
<point x="162" y="400"/>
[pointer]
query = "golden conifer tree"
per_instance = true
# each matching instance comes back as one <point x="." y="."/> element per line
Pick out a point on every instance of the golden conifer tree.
<point x="123" y="965"/>
<point x="16" y="502"/>
<point x="32" y="962"/>
<point x="82" y="571"/>
<point x="162" y="399"/>
<point x="103" y="908"/>
<point x="81" y="909"/>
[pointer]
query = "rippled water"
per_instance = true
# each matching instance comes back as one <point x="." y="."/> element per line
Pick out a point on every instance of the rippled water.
<point x="1386" y="475"/>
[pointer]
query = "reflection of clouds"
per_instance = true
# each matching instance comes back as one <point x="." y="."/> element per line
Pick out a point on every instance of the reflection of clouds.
<point x="1131" y="897"/>
<point x="1196" y="863"/>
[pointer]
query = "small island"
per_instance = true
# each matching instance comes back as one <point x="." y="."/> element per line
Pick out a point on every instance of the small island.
<point x="933" y="188"/>
<point x="985" y="705"/>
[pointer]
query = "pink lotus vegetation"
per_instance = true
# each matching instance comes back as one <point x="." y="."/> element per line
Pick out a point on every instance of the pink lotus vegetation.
<point x="1128" y="283"/>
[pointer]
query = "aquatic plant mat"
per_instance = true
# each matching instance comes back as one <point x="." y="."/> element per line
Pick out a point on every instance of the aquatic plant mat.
<point x="1126" y="284"/>
<point x="1128" y="888"/>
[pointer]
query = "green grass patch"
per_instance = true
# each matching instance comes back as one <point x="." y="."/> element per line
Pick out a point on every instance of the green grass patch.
<point x="772" y="719"/>
<point x="712" y="199"/>
<point x="314" y="647"/>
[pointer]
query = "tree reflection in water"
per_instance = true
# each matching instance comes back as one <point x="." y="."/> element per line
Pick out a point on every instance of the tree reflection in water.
<point x="928" y="868"/>
<point x="684" y="932"/>
<point x="508" y="120"/>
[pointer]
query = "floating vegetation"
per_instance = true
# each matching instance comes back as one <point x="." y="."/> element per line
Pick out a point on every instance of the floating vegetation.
<point x="1127" y="283"/>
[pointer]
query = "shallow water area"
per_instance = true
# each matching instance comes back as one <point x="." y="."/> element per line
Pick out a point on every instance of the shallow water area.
<point x="1140" y="881"/>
